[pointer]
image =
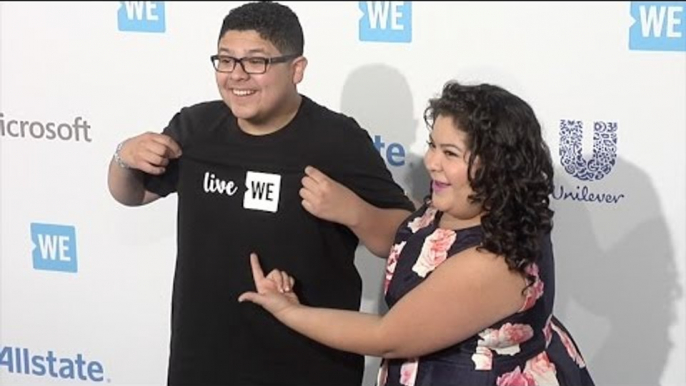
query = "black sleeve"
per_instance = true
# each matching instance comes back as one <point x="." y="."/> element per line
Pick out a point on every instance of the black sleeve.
<point x="360" y="167"/>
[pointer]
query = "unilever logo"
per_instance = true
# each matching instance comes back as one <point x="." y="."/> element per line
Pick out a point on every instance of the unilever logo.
<point x="386" y="21"/>
<point x="21" y="360"/>
<point x="604" y="150"/>
<point x="596" y="168"/>
<point x="658" y="26"/>
<point x="141" y="16"/>
<point x="54" y="247"/>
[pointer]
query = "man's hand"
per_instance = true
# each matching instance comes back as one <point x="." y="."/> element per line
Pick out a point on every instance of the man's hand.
<point x="149" y="152"/>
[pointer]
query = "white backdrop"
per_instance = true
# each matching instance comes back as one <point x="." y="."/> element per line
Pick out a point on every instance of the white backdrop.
<point x="85" y="283"/>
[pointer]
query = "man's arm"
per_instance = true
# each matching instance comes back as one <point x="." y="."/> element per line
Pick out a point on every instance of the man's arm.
<point x="147" y="153"/>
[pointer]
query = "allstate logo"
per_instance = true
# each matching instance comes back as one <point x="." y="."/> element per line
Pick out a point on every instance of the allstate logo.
<point x="658" y="26"/>
<point x="393" y="153"/>
<point x="604" y="150"/>
<point x="598" y="167"/>
<point x="386" y="21"/>
<point x="141" y="16"/>
<point x="22" y="360"/>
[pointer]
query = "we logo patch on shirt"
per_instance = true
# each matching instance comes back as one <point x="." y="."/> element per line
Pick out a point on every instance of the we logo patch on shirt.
<point x="263" y="191"/>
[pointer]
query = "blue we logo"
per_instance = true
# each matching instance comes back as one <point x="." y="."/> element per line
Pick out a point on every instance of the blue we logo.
<point x="386" y="21"/>
<point x="141" y="16"/>
<point x="658" y="26"/>
<point x="604" y="149"/>
<point x="54" y="247"/>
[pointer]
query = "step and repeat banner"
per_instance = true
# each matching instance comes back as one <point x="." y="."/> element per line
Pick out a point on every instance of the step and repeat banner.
<point x="85" y="283"/>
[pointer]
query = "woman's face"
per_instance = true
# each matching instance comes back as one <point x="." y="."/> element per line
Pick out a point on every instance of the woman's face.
<point x="446" y="160"/>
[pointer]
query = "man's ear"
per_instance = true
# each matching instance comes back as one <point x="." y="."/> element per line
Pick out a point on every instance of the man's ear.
<point x="299" y="64"/>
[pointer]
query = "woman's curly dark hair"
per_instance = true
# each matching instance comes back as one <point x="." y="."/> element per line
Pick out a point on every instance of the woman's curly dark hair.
<point x="510" y="169"/>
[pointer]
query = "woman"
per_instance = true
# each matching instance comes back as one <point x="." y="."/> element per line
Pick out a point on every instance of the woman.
<point x="470" y="278"/>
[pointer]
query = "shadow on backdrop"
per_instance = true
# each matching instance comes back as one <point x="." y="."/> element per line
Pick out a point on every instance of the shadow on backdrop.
<point x="617" y="281"/>
<point x="379" y="98"/>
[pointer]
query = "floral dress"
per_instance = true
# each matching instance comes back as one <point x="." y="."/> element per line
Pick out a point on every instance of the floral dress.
<point x="530" y="347"/>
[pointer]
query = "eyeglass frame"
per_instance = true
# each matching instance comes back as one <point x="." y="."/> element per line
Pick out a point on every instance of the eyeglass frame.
<point x="268" y="61"/>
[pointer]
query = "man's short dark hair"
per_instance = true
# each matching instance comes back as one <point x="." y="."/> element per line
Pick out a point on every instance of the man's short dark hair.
<point x="274" y="22"/>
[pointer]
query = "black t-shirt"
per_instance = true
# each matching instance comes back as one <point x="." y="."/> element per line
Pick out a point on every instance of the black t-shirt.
<point x="238" y="194"/>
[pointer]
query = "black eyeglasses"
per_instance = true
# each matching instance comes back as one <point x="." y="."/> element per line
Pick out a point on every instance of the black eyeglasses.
<point x="250" y="65"/>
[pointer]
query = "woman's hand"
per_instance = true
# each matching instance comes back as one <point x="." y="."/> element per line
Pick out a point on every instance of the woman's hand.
<point x="274" y="291"/>
<point x="328" y="199"/>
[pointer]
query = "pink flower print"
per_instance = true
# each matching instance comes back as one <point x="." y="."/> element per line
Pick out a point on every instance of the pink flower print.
<point x="537" y="371"/>
<point x="569" y="345"/>
<point x="482" y="358"/>
<point x="423" y="221"/>
<point x="506" y="340"/>
<point x="382" y="376"/>
<point x="534" y="291"/>
<point x="547" y="330"/>
<point x="408" y="372"/>
<point x="541" y="370"/>
<point x="511" y="334"/>
<point x="391" y="263"/>
<point x="515" y="378"/>
<point x="434" y="251"/>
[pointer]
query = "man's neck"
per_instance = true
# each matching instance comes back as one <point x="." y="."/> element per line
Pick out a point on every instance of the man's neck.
<point x="275" y="123"/>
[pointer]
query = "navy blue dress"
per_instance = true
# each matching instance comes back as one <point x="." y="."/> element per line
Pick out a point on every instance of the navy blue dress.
<point x="530" y="347"/>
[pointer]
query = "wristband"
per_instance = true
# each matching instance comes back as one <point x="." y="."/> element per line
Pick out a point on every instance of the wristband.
<point x="117" y="157"/>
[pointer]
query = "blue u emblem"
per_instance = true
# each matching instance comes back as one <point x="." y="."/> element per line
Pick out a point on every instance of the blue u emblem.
<point x="604" y="149"/>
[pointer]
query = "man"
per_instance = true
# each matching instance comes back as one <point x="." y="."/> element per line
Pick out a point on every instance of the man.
<point x="253" y="173"/>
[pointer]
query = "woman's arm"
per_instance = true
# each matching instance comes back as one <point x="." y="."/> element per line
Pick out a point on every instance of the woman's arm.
<point x="332" y="201"/>
<point x="464" y="295"/>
